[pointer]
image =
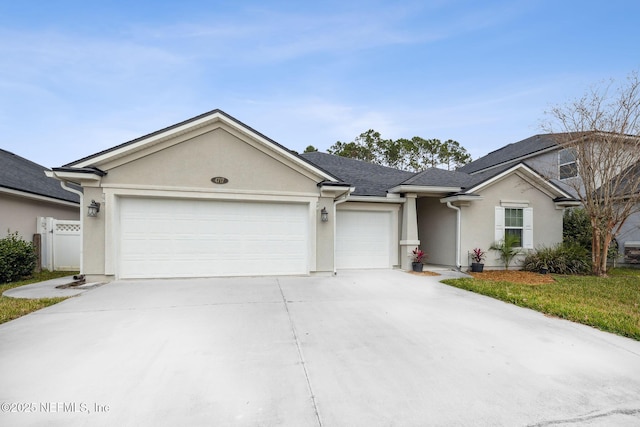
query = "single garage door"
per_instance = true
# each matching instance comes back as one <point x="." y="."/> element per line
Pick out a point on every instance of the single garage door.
<point x="363" y="239"/>
<point x="198" y="238"/>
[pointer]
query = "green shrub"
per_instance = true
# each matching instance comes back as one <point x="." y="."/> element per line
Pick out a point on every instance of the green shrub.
<point x="507" y="248"/>
<point x="560" y="259"/>
<point x="17" y="258"/>
<point x="576" y="228"/>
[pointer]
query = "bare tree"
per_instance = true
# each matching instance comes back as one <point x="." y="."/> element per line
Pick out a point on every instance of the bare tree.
<point x="601" y="131"/>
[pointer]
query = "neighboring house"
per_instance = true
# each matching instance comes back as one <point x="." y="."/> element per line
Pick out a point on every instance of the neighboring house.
<point x="545" y="154"/>
<point x="212" y="197"/>
<point x="26" y="194"/>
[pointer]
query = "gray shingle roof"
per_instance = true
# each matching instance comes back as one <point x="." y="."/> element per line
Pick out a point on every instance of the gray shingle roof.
<point x="369" y="179"/>
<point x="441" y="178"/>
<point x="512" y="153"/>
<point x="375" y="180"/>
<point x="18" y="173"/>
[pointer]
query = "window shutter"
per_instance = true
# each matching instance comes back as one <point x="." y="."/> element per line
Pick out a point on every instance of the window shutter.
<point x="527" y="232"/>
<point x="499" y="232"/>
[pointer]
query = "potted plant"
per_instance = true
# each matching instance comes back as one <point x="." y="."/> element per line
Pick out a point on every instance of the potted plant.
<point x="477" y="256"/>
<point x="544" y="269"/>
<point x="417" y="257"/>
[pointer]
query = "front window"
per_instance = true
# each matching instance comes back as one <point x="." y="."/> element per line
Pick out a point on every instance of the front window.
<point x="514" y="224"/>
<point x="567" y="163"/>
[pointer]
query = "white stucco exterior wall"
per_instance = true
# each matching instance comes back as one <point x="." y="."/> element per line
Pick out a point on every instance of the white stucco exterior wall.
<point x="478" y="218"/>
<point x="20" y="214"/>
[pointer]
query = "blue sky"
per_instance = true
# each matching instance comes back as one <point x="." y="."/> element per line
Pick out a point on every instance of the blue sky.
<point x="78" y="77"/>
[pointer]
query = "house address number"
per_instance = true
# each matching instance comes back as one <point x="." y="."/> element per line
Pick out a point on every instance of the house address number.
<point x="219" y="180"/>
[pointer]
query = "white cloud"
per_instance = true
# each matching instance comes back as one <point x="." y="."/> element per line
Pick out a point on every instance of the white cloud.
<point x="301" y="76"/>
<point x="270" y="35"/>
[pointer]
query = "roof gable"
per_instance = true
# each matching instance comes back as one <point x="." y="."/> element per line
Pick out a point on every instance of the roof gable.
<point x="20" y="174"/>
<point x="492" y="176"/>
<point x="189" y="129"/>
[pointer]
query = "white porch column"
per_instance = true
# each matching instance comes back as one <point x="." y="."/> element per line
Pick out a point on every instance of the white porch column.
<point x="409" y="239"/>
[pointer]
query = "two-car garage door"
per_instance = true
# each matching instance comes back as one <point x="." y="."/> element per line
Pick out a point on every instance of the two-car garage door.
<point x="199" y="238"/>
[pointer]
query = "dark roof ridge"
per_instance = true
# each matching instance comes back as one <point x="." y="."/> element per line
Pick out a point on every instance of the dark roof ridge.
<point x="21" y="174"/>
<point x="24" y="159"/>
<point x="536" y="136"/>
<point x="154" y="133"/>
<point x="528" y="147"/>
<point x="350" y="159"/>
<point x="513" y="152"/>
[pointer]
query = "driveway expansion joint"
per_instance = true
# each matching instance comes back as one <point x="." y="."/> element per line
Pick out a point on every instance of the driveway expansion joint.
<point x="300" y="356"/>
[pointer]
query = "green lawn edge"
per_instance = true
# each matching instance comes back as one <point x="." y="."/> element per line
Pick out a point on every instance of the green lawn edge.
<point x="13" y="308"/>
<point x="611" y="304"/>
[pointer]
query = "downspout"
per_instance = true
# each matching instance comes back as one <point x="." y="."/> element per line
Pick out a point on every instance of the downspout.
<point x="342" y="199"/>
<point x="457" y="209"/>
<point x="63" y="184"/>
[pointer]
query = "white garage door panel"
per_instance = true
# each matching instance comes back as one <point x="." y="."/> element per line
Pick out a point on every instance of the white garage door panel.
<point x="194" y="238"/>
<point x="363" y="239"/>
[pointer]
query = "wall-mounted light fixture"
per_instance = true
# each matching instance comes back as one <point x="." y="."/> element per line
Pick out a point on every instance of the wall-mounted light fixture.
<point x="93" y="209"/>
<point x="324" y="215"/>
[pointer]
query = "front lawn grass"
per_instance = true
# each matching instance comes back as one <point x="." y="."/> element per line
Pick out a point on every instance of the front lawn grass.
<point x="611" y="304"/>
<point x="12" y="308"/>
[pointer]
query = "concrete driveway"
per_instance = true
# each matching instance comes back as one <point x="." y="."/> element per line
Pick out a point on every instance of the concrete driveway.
<point x="381" y="348"/>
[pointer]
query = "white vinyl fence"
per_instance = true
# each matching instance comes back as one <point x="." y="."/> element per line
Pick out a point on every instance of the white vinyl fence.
<point x="61" y="240"/>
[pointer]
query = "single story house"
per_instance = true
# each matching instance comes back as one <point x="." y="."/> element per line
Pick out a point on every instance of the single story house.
<point x="211" y="196"/>
<point x="27" y="194"/>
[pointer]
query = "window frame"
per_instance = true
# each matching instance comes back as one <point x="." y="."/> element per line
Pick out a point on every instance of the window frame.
<point x="527" y="222"/>
<point x="572" y="165"/>
<point x="508" y="226"/>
